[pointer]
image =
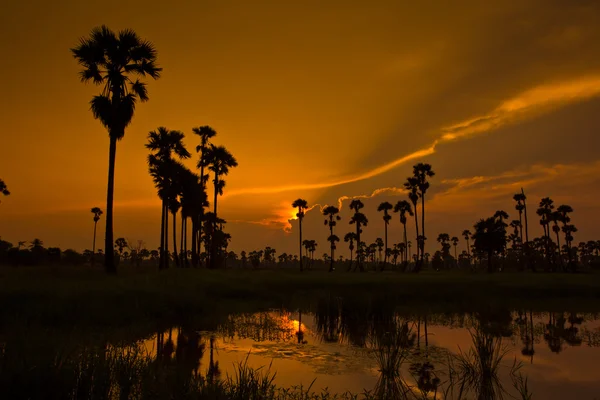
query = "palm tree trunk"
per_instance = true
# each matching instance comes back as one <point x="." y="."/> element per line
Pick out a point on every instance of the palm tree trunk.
<point x="175" y="254"/>
<point x="94" y="244"/>
<point x="350" y="267"/>
<point x="213" y="246"/>
<point x="109" y="254"/>
<point x="181" y="241"/>
<point x="161" y="262"/>
<point x="417" y="229"/>
<point x="300" y="228"/>
<point x="422" y="230"/>
<point x="359" y="253"/>
<point x="405" y="252"/>
<point x="386" y="246"/>
<point x="332" y="243"/>
<point x="167" y="263"/>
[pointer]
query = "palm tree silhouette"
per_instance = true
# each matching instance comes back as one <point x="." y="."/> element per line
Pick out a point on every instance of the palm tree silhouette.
<point x="521" y="207"/>
<point x="97" y="213"/>
<point x="454" y="241"/>
<point x="545" y="212"/>
<point x="205" y="133"/>
<point x="301" y="205"/>
<point x="113" y="60"/>
<point x="331" y="214"/>
<point x="421" y="172"/>
<point x="219" y="161"/>
<point x="403" y="207"/>
<point x="350" y="238"/>
<point x="412" y="185"/>
<point x="165" y="171"/>
<point x="564" y="210"/>
<point x="358" y="219"/>
<point x="385" y="207"/>
<point x="467" y="235"/>
<point x="4" y="188"/>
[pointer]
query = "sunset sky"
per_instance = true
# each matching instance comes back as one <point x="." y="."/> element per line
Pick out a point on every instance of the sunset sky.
<point x="323" y="100"/>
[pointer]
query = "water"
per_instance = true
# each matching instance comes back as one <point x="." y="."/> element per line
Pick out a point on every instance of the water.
<point x="557" y="353"/>
<point x="491" y="354"/>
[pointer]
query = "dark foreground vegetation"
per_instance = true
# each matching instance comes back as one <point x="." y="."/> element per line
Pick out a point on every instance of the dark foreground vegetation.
<point x="84" y="296"/>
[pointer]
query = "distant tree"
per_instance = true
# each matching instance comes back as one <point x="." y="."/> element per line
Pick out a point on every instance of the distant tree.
<point x="301" y="205"/>
<point x="490" y="238"/>
<point x="358" y="219"/>
<point x="379" y="244"/>
<point x="350" y="238"/>
<point x="412" y="185"/>
<point x="454" y="241"/>
<point x="331" y="214"/>
<point x="112" y="60"/>
<point x="467" y="235"/>
<point x="121" y="244"/>
<point x="97" y="213"/>
<point x="421" y="172"/>
<point x="545" y="212"/>
<point x="404" y="208"/>
<point x="385" y="207"/>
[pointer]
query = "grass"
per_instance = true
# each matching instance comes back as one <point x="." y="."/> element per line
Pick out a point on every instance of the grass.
<point x="63" y="295"/>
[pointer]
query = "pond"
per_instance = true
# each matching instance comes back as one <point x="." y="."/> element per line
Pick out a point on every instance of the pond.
<point x="484" y="355"/>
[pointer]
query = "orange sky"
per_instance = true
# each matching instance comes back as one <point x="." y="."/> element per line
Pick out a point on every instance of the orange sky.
<point x="315" y="101"/>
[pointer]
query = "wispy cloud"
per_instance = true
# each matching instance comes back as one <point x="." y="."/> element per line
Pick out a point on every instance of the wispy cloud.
<point x="532" y="102"/>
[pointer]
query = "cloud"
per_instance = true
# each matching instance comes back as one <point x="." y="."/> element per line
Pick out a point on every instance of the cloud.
<point x="528" y="104"/>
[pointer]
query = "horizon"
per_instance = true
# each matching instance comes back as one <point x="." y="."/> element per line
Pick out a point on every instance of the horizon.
<point x="340" y="111"/>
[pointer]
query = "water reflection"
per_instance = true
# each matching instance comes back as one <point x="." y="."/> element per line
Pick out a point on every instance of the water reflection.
<point x="370" y="346"/>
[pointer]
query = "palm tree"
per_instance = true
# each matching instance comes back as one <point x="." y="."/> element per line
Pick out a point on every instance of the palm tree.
<point x="421" y="172"/>
<point x="350" y="237"/>
<point x="331" y="214"/>
<point x="454" y="241"/>
<point x="113" y="60"/>
<point x="545" y="212"/>
<point x="564" y="211"/>
<point x="301" y="205"/>
<point x="219" y="161"/>
<point x="205" y="133"/>
<point x="165" y="172"/>
<point x="467" y="235"/>
<point x="412" y="185"/>
<point x="358" y="219"/>
<point x="489" y="238"/>
<point x="521" y="207"/>
<point x="97" y="213"/>
<point x="403" y="207"/>
<point x="385" y="207"/>
<point x="4" y="188"/>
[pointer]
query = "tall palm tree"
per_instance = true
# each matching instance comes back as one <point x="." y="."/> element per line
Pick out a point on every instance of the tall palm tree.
<point x="467" y="235"/>
<point x="219" y="161"/>
<point x="301" y="205"/>
<point x="403" y="207"/>
<point x="421" y="172"/>
<point x="164" y="143"/>
<point x="205" y="133"/>
<point x="564" y="211"/>
<point x="350" y="238"/>
<point x="114" y="60"/>
<point x="385" y="207"/>
<point x="454" y="241"/>
<point x="358" y="219"/>
<point x="545" y="212"/>
<point x="412" y="185"/>
<point x="331" y="214"/>
<point x="521" y="207"/>
<point x="97" y="213"/>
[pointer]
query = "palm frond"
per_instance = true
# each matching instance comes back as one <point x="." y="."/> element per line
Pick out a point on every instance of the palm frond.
<point x="139" y="89"/>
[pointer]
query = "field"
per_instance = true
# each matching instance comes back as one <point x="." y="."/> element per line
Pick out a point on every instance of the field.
<point x="65" y="296"/>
